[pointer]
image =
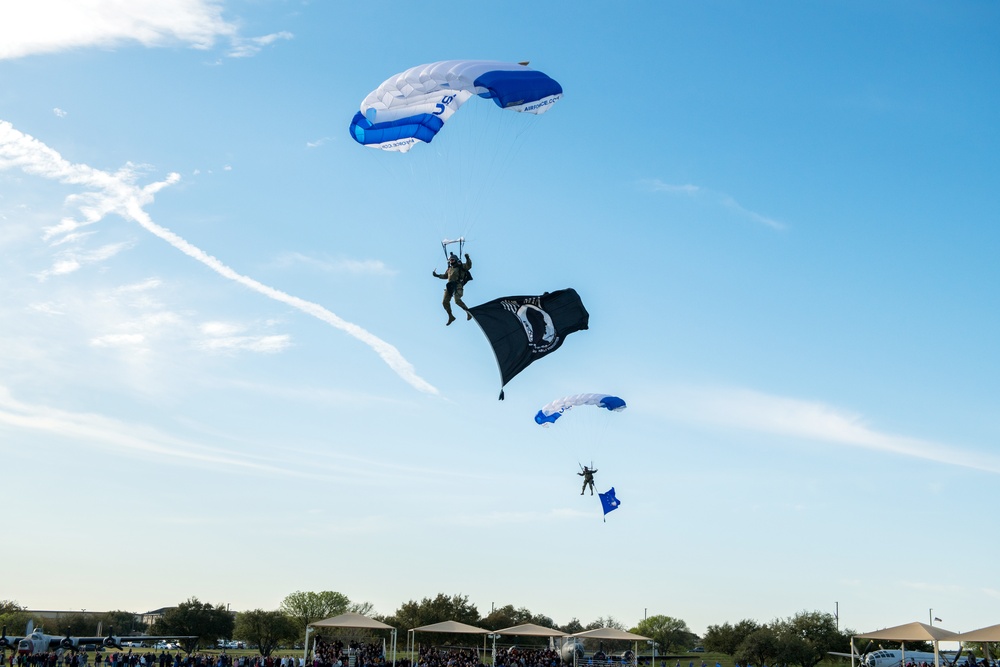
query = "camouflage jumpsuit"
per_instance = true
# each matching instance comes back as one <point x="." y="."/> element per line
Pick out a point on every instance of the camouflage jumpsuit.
<point x="454" y="287"/>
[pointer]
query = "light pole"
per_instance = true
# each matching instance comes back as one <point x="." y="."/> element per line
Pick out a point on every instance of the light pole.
<point x="836" y="614"/>
<point x="930" y="616"/>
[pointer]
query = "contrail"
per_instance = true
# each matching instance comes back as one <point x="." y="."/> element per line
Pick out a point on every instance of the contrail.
<point x="119" y="195"/>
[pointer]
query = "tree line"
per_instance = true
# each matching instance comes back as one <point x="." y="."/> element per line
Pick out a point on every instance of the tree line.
<point x="803" y="640"/>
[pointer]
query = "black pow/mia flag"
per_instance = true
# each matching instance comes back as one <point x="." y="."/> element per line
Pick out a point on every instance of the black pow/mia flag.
<point x="522" y="329"/>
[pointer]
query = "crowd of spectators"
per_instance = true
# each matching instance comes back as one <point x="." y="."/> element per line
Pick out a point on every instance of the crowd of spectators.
<point x="149" y="659"/>
<point x="337" y="654"/>
<point x="527" y="657"/>
<point x="432" y="656"/>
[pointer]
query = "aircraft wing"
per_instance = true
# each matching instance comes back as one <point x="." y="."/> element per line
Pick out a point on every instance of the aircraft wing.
<point x="112" y="641"/>
<point x="148" y="638"/>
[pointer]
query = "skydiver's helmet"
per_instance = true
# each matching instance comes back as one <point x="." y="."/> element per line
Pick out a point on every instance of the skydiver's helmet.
<point x="452" y="260"/>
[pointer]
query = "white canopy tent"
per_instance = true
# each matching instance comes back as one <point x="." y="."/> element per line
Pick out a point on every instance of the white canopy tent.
<point x="352" y="620"/>
<point x="990" y="633"/>
<point x="444" y="627"/>
<point x="525" y="630"/>
<point x="612" y="633"/>
<point x="911" y="632"/>
<point x="530" y="630"/>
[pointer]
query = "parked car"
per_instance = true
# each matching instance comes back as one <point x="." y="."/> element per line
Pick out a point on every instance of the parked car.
<point x="167" y="646"/>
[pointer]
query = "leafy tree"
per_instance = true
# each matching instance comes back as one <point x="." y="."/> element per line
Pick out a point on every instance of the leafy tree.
<point x="13" y="616"/>
<point x="414" y="614"/>
<point x="121" y="622"/>
<point x="201" y="619"/>
<point x="74" y="624"/>
<point x="306" y="607"/>
<point x="726" y="638"/>
<point x="573" y="626"/>
<point x="505" y="617"/>
<point x="363" y="608"/>
<point x="808" y="637"/>
<point x="266" y="629"/>
<point x="792" y="649"/>
<point x="759" y="648"/>
<point x="607" y="645"/>
<point x="671" y="635"/>
<point x="608" y="622"/>
<point x="543" y="620"/>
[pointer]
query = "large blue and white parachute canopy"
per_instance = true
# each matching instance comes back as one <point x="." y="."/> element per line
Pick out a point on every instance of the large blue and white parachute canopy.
<point x="412" y="106"/>
<point x="554" y="410"/>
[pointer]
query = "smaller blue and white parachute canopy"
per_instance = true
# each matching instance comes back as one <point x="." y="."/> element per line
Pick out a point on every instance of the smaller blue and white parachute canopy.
<point x="412" y="106"/>
<point x="554" y="410"/>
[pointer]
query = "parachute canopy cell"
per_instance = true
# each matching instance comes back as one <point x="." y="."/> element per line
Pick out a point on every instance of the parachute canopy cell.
<point x="412" y="106"/>
<point x="554" y="410"/>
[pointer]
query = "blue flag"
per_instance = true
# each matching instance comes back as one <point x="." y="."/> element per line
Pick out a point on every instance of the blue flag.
<point x="608" y="501"/>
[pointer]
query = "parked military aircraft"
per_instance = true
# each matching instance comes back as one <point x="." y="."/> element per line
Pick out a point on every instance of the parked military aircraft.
<point x="36" y="641"/>
<point x="568" y="648"/>
<point x="894" y="657"/>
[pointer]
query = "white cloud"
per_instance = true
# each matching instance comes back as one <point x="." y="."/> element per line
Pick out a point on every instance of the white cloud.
<point x="73" y="260"/>
<point x="47" y="309"/>
<point x="142" y="441"/>
<point x="719" y="198"/>
<point x="811" y="420"/>
<point x="144" y="286"/>
<point x="49" y="26"/>
<point x="228" y="336"/>
<point x="59" y="112"/>
<point x="244" y="47"/>
<point x="350" y="266"/>
<point x="221" y="328"/>
<point x="265" y="344"/>
<point x="118" y="340"/>
<point x="117" y="193"/>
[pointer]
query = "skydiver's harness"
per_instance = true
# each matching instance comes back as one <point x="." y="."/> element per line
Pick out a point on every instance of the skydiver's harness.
<point x="463" y="274"/>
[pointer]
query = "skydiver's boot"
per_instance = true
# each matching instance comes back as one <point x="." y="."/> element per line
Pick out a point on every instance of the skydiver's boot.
<point x="451" y="318"/>
<point x="468" y="315"/>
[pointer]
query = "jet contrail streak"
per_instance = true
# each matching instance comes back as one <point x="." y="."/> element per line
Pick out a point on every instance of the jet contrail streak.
<point x="120" y="195"/>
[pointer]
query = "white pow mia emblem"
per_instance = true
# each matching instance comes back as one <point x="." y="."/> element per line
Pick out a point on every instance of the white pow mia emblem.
<point x="537" y="323"/>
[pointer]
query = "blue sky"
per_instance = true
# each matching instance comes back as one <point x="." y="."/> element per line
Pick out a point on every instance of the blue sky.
<point x="224" y="370"/>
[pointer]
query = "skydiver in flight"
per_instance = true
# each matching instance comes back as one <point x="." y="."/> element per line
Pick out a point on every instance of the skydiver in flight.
<point x="588" y="479"/>
<point x="457" y="274"/>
